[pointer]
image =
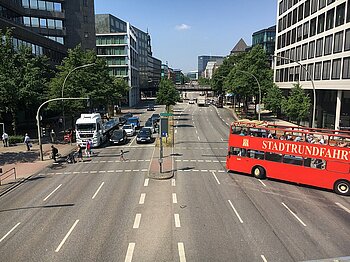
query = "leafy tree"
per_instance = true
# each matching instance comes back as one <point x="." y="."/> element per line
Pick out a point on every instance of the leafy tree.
<point x="273" y="99"/>
<point x="219" y="75"/>
<point x="23" y="80"/>
<point x="203" y="81"/>
<point x="167" y="94"/>
<point x="297" y="105"/>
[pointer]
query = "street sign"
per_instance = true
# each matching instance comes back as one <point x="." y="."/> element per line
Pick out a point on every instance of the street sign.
<point x="166" y="114"/>
<point x="164" y="127"/>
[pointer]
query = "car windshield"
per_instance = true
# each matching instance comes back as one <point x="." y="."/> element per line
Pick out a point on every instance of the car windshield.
<point x="127" y="127"/>
<point x="118" y="133"/>
<point x="144" y="132"/>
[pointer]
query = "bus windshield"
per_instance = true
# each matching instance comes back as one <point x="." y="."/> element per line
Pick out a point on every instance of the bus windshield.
<point x="86" y="127"/>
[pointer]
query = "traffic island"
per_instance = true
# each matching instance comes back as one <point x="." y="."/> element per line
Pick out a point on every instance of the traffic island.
<point x="161" y="168"/>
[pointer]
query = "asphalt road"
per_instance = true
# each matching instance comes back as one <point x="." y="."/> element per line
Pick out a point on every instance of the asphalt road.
<point x="107" y="210"/>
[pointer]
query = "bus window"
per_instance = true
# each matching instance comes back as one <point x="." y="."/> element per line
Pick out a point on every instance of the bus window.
<point x="294" y="160"/>
<point x="255" y="154"/>
<point x="236" y="130"/>
<point x="315" y="163"/>
<point x="273" y="157"/>
<point x="238" y="151"/>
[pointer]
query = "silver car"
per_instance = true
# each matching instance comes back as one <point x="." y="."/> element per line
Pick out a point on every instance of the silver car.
<point x="129" y="129"/>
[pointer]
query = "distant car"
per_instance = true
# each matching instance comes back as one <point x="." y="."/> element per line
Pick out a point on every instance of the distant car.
<point x="191" y="101"/>
<point x="118" y="137"/>
<point x="127" y="115"/>
<point x="111" y="123"/>
<point x="129" y="129"/>
<point x="150" y="124"/>
<point x="135" y="121"/>
<point x="155" y="117"/>
<point x="122" y="120"/>
<point x="150" y="108"/>
<point x="144" y="136"/>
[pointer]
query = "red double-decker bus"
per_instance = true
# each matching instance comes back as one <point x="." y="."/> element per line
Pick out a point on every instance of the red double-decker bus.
<point x="309" y="156"/>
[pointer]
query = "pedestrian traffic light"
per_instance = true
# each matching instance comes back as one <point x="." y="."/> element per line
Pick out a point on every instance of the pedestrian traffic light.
<point x="164" y="127"/>
<point x="43" y="131"/>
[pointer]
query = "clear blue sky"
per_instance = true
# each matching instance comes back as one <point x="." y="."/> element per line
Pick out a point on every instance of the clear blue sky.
<point x="181" y="30"/>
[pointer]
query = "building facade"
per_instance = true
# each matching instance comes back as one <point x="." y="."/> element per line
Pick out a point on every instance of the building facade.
<point x="203" y="61"/>
<point x="209" y="70"/>
<point x="49" y="27"/>
<point x="128" y="52"/>
<point x="316" y="34"/>
<point x="265" y="38"/>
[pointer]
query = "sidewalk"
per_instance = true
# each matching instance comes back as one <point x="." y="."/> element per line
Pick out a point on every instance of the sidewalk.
<point x="167" y="164"/>
<point x="26" y="163"/>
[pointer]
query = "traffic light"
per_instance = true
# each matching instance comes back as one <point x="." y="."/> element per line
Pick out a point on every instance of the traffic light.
<point x="164" y="127"/>
<point x="88" y="101"/>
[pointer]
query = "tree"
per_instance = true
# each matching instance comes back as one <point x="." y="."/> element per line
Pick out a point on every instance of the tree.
<point x="203" y="81"/>
<point x="297" y="105"/>
<point x="273" y="99"/>
<point x="219" y="75"/>
<point x="167" y="94"/>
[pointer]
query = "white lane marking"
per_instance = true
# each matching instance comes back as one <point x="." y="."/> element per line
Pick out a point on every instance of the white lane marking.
<point x="240" y="219"/>
<point x="110" y="171"/>
<point x="195" y="170"/>
<point x="196" y="132"/>
<point x="133" y="160"/>
<point x="59" y="173"/>
<point x="193" y="160"/>
<point x="111" y="161"/>
<point x="98" y="190"/>
<point x="132" y="141"/>
<point x="199" y="138"/>
<point x="76" y="172"/>
<point x="129" y="170"/>
<point x="175" y="131"/>
<point x="119" y="171"/>
<point x="10" y="231"/>
<point x="178" y="160"/>
<point x="215" y="161"/>
<point x="130" y="252"/>
<point x="177" y="220"/>
<point x="221" y="171"/>
<point x="185" y="160"/>
<point x="103" y="161"/>
<point x="208" y="161"/>
<point x="181" y="248"/>
<point x="294" y="214"/>
<point x="102" y="171"/>
<point x="343" y="207"/>
<point x="222" y="139"/>
<point x="263" y="258"/>
<point x="65" y="238"/>
<point x="200" y="160"/>
<point x="146" y="182"/>
<point x="262" y="183"/>
<point x="52" y="192"/>
<point x="142" y="198"/>
<point x="204" y="170"/>
<point x="93" y="172"/>
<point x="137" y="221"/>
<point x="174" y="198"/>
<point x="217" y="180"/>
<point x="136" y="170"/>
<point x="144" y="170"/>
<point x="85" y="172"/>
<point x="173" y="183"/>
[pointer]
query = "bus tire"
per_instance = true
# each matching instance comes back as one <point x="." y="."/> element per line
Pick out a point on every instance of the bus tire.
<point x="342" y="187"/>
<point x="259" y="172"/>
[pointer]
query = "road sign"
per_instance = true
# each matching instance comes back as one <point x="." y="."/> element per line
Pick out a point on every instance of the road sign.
<point x="164" y="127"/>
<point x="166" y="114"/>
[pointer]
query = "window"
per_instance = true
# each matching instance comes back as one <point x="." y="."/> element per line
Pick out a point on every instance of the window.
<point x="313" y="6"/>
<point x="307" y="9"/>
<point x="322" y="4"/>
<point x="347" y="40"/>
<point x="43" y="23"/>
<point x="295" y="16"/>
<point x="289" y="19"/>
<point x="346" y="68"/>
<point x="300" y="12"/>
<point x="310" y="69"/>
<point x="296" y="75"/>
<point x="336" y="68"/>
<point x="330" y="19"/>
<point x="320" y="23"/>
<point x="302" y="74"/>
<point x="255" y="154"/>
<point x="311" y="49"/>
<point x="313" y="27"/>
<point x="49" y="6"/>
<point x="51" y="23"/>
<point x="318" y="71"/>
<point x="42" y="5"/>
<point x="26" y="20"/>
<point x="304" y="52"/>
<point x="291" y="74"/>
<point x="315" y="163"/>
<point x="288" y="38"/>
<point x="340" y="16"/>
<point x="34" y="4"/>
<point x="330" y="1"/>
<point x="328" y="45"/>
<point x="292" y="53"/>
<point x="319" y="47"/>
<point x="25" y="3"/>
<point x="57" y="7"/>
<point x="338" y="42"/>
<point x="34" y="21"/>
<point x="306" y="30"/>
<point x="286" y="74"/>
<point x="298" y="53"/>
<point x="348" y="12"/>
<point x="59" y="24"/>
<point x="85" y="2"/>
<point x="293" y="160"/>
<point x="273" y="157"/>
<point x="293" y="36"/>
<point x="326" y="70"/>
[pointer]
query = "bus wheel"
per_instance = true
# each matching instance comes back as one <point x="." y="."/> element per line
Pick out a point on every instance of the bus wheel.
<point x="259" y="172"/>
<point x="342" y="187"/>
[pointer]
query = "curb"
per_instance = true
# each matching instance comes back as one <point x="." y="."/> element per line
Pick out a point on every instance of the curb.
<point x="161" y="176"/>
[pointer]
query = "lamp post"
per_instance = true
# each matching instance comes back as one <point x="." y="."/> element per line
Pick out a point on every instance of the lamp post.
<point x="38" y="119"/>
<point x="312" y="83"/>
<point x="246" y="72"/>
<point x="64" y="83"/>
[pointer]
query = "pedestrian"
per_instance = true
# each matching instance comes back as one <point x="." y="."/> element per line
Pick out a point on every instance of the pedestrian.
<point x="122" y="155"/>
<point x="5" y="139"/>
<point x="79" y="152"/>
<point x="52" y="135"/>
<point x="88" y="148"/>
<point x="54" y="152"/>
<point x="27" y="142"/>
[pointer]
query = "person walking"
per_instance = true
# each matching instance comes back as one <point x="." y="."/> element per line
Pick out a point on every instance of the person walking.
<point x="122" y="155"/>
<point x="88" y="148"/>
<point x="27" y="142"/>
<point x="79" y="151"/>
<point x="53" y="136"/>
<point x="5" y="139"/>
<point x="54" y="152"/>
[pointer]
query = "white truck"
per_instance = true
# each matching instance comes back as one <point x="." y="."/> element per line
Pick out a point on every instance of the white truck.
<point x="201" y="101"/>
<point x="90" y="127"/>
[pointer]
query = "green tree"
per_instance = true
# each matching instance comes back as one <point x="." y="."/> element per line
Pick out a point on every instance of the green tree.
<point x="219" y="76"/>
<point x="297" y="105"/>
<point x="167" y="94"/>
<point x="273" y="99"/>
<point x="203" y="81"/>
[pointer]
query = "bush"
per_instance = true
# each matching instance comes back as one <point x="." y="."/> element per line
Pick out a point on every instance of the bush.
<point x="15" y="140"/>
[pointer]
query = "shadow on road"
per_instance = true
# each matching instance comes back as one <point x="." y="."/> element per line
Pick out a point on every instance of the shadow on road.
<point x="25" y="208"/>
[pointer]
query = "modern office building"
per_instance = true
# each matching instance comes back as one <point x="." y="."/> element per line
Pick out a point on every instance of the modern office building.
<point x="168" y="73"/>
<point x="203" y="61"/>
<point x="316" y="34"/>
<point x="179" y="77"/>
<point x="266" y="39"/>
<point x="192" y="75"/>
<point x="128" y="52"/>
<point x="49" y="27"/>
<point x="209" y="70"/>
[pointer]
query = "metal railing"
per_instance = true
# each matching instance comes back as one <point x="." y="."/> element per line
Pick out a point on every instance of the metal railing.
<point x="10" y="172"/>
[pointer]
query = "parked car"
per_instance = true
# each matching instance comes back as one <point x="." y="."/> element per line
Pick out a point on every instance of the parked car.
<point x="129" y="129"/>
<point x="156" y="117"/>
<point x="144" y="136"/>
<point x="118" y="137"/>
<point x="191" y="101"/>
<point x="135" y="121"/>
<point x="150" y="108"/>
<point x="150" y="124"/>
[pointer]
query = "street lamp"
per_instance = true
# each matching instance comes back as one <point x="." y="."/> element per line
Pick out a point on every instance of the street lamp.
<point x="246" y="72"/>
<point x="64" y="83"/>
<point x="312" y="83"/>
<point x="38" y="119"/>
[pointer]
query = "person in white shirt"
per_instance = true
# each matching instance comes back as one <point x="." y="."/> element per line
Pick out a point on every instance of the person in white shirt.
<point x="5" y="139"/>
<point x="27" y="141"/>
